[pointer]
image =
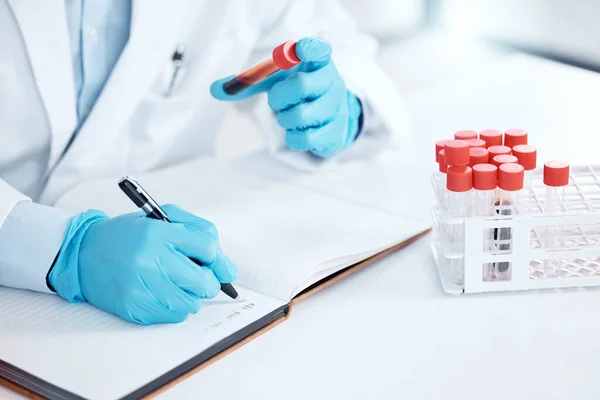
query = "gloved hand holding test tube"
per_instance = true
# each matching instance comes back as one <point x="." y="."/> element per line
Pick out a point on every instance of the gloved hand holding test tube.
<point x="309" y="97"/>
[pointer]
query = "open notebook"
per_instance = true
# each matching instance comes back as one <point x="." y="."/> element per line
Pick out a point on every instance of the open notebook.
<point x="287" y="241"/>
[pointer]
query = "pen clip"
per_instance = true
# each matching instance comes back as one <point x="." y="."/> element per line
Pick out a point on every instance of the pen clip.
<point x="177" y="63"/>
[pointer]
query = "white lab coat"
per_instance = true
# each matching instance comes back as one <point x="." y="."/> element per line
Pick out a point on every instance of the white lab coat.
<point x="133" y="126"/>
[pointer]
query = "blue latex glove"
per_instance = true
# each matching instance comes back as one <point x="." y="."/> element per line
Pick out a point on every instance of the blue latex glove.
<point x="312" y="103"/>
<point x="138" y="268"/>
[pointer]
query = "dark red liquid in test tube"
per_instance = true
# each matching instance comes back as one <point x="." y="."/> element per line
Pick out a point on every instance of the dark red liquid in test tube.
<point x="283" y="57"/>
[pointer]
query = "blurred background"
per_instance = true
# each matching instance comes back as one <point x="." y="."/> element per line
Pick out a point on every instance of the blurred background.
<point x="449" y="37"/>
<point x="454" y="58"/>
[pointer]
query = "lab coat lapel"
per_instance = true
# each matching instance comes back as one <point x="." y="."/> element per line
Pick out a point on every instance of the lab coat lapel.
<point x="43" y="25"/>
<point x="155" y="29"/>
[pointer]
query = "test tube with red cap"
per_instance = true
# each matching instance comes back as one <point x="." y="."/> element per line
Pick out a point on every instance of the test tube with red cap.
<point x="556" y="177"/>
<point x="476" y="143"/>
<point x="478" y="155"/>
<point x="527" y="157"/>
<point x="283" y="57"/>
<point x="492" y="137"/>
<point x="465" y="135"/>
<point x="515" y="137"/>
<point x="504" y="159"/>
<point x="510" y="182"/>
<point x="498" y="150"/>
<point x="485" y="181"/>
<point x="459" y="184"/>
<point x="456" y="156"/>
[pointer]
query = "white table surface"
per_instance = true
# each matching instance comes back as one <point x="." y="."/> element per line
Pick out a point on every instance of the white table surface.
<point x="389" y="331"/>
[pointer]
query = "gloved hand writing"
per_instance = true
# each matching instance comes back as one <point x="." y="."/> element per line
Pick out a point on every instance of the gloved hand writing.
<point x="313" y="105"/>
<point x="138" y="268"/>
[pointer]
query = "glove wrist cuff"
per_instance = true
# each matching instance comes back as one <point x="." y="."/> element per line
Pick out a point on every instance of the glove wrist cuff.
<point x="64" y="276"/>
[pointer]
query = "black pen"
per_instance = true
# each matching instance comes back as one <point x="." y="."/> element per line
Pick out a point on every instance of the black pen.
<point x="142" y="199"/>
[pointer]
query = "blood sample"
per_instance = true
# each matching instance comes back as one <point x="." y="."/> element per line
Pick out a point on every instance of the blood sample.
<point x="478" y="155"/>
<point x="498" y="150"/>
<point x="504" y="159"/>
<point x="465" y="135"/>
<point x="556" y="177"/>
<point x="477" y="143"/>
<point x="515" y="137"/>
<point x="283" y="57"/>
<point x="492" y="137"/>
<point x="527" y="156"/>
<point x="510" y="182"/>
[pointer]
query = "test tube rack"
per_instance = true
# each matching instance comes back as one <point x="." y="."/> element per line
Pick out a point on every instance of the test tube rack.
<point x="465" y="250"/>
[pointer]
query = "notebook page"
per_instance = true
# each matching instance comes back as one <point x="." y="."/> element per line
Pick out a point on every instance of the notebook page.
<point x="278" y="234"/>
<point x="99" y="356"/>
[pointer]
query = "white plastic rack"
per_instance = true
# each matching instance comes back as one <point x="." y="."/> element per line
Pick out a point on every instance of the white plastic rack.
<point x="508" y="253"/>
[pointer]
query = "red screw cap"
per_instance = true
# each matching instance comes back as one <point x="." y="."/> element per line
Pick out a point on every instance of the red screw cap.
<point x="492" y="137"/>
<point x="485" y="177"/>
<point x="510" y="177"/>
<point x="460" y="179"/>
<point x="284" y="55"/>
<point x="465" y="135"/>
<point x="478" y="155"/>
<point x="443" y="167"/>
<point x="504" y="159"/>
<point x="439" y="146"/>
<point x="477" y="143"/>
<point x="498" y="150"/>
<point x="527" y="156"/>
<point x="456" y="152"/>
<point x="515" y="137"/>
<point x="556" y="173"/>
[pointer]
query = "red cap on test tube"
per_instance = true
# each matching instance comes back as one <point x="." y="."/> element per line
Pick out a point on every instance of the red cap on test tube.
<point x="492" y="137"/>
<point x="284" y="55"/>
<point x="556" y="173"/>
<point x="456" y="153"/>
<point x="439" y="146"/>
<point x="527" y="156"/>
<point x="478" y="156"/>
<point x="510" y="177"/>
<point x="442" y="162"/>
<point x="498" y="150"/>
<point x="515" y="137"/>
<point x="477" y="143"/>
<point x="485" y="177"/>
<point x="504" y="159"/>
<point x="465" y="135"/>
<point x="459" y="179"/>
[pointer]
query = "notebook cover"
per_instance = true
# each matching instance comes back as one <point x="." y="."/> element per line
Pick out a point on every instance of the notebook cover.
<point x="232" y="343"/>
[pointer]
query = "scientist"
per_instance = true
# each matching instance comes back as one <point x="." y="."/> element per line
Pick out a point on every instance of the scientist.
<point x="87" y="91"/>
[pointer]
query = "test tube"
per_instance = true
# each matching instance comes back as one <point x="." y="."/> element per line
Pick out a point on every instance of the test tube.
<point x="515" y="137"/>
<point x="283" y="57"/>
<point x="556" y="177"/>
<point x="478" y="155"/>
<point x="477" y="143"/>
<point x="510" y="182"/>
<point x="504" y="159"/>
<point x="465" y="135"/>
<point x="485" y="181"/>
<point x="492" y="137"/>
<point x="459" y="184"/>
<point x="527" y="157"/>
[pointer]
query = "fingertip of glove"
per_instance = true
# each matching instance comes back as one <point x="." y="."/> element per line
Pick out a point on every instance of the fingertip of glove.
<point x="313" y="49"/>
<point x="217" y="91"/>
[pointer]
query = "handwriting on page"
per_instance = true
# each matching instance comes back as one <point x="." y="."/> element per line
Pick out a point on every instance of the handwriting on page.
<point x="245" y="305"/>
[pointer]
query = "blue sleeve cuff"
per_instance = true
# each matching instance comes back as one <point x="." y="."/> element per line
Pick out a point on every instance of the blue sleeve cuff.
<point x="30" y="239"/>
